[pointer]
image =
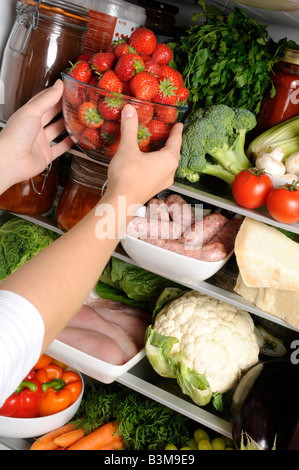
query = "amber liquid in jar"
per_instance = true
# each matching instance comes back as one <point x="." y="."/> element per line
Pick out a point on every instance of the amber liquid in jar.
<point x="285" y="104"/>
<point x="34" y="196"/>
<point x="81" y="193"/>
<point x="44" y="39"/>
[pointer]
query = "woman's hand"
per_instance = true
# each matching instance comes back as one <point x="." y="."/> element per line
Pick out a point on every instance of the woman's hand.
<point x="137" y="175"/>
<point x="25" y="149"/>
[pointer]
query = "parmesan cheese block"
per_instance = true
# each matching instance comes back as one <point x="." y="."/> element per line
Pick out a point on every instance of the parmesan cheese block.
<point x="266" y="257"/>
<point x="283" y="304"/>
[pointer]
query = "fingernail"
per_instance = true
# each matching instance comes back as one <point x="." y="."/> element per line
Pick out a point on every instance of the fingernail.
<point x="129" y="111"/>
<point x="57" y="84"/>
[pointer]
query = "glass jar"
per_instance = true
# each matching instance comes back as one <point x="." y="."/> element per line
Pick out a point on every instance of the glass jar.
<point x="81" y="193"/>
<point x="34" y="196"/>
<point x="160" y="17"/>
<point x="285" y="104"/>
<point x="45" y="37"/>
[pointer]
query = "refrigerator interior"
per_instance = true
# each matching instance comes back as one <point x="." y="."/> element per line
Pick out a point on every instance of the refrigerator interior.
<point x="281" y="23"/>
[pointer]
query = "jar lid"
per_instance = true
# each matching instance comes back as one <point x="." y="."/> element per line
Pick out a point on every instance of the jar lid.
<point x="88" y="173"/>
<point x="61" y="7"/>
<point x="291" y="56"/>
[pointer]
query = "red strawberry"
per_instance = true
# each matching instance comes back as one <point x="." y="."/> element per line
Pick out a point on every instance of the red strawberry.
<point x="143" y="40"/>
<point x="93" y="95"/>
<point x="102" y="61"/>
<point x="143" y="137"/>
<point x="73" y="125"/>
<point x="128" y="65"/>
<point x="85" y="56"/>
<point x="144" y="85"/>
<point x="183" y="94"/>
<point x="90" y="139"/>
<point x="110" y="132"/>
<point x="111" y="82"/>
<point x="89" y="115"/>
<point x="172" y="75"/>
<point x="180" y="78"/>
<point x="122" y="49"/>
<point x="145" y="111"/>
<point x="151" y="66"/>
<point x="74" y="94"/>
<point x="166" y="113"/>
<point x="167" y="93"/>
<point x="110" y="107"/>
<point x="159" y="130"/>
<point x="162" y="54"/>
<point x="80" y="71"/>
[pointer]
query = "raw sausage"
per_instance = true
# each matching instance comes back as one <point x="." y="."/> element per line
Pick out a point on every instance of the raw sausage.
<point x="93" y="343"/>
<point x="157" y="209"/>
<point x="203" y="230"/>
<point x="225" y="239"/>
<point x="180" y="211"/>
<point x="141" y="227"/>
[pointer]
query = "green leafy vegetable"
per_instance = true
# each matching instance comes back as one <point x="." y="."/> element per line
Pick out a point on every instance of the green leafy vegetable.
<point x="20" y="240"/>
<point x="143" y="423"/>
<point x="227" y="59"/>
<point x="130" y="284"/>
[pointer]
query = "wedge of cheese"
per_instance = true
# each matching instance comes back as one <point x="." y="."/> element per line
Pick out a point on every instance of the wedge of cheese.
<point x="283" y="304"/>
<point x="266" y="257"/>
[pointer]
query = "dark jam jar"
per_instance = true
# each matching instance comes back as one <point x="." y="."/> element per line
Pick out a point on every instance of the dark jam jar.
<point x="34" y="196"/>
<point x="81" y="193"/>
<point x="285" y="104"/>
<point x="45" y="37"/>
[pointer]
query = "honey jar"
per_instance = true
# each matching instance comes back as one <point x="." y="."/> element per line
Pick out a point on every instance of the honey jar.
<point x="81" y="193"/>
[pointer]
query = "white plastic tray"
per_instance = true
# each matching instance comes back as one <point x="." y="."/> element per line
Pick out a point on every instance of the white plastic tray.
<point x="89" y="365"/>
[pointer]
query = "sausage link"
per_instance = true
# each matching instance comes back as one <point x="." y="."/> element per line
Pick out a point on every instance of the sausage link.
<point x="203" y="230"/>
<point x="180" y="211"/>
<point x="157" y="209"/>
<point x="141" y="227"/>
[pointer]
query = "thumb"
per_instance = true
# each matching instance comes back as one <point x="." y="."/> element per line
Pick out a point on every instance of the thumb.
<point x="45" y="99"/>
<point x="129" y="127"/>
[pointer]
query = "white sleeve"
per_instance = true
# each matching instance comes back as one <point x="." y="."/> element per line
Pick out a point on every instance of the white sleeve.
<point x="21" y="337"/>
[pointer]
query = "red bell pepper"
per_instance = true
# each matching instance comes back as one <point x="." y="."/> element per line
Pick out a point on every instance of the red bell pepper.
<point x="25" y="401"/>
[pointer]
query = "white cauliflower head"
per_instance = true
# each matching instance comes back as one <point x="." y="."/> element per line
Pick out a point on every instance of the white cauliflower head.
<point x="215" y="339"/>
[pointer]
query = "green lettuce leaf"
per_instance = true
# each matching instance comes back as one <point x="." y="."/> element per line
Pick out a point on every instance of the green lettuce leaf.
<point x="20" y="240"/>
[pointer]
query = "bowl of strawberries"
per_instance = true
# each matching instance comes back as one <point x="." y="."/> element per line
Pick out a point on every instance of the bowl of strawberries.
<point x="135" y="70"/>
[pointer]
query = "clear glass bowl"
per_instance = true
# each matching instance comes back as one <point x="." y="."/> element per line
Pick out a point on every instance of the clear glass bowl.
<point x="99" y="137"/>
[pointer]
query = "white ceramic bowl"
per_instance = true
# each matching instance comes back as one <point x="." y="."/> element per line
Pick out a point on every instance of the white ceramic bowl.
<point x="31" y="427"/>
<point x="168" y="264"/>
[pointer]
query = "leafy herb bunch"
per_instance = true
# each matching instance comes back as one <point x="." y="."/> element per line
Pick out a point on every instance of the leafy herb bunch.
<point x="142" y="423"/>
<point x="227" y="59"/>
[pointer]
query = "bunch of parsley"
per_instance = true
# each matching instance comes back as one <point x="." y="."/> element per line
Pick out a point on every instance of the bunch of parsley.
<point x="143" y="424"/>
<point x="227" y="59"/>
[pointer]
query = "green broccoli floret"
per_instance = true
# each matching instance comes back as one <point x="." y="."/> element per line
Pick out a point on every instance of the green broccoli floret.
<point x="214" y="143"/>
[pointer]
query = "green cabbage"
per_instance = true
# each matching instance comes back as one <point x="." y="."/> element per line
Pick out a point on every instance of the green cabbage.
<point x="20" y="240"/>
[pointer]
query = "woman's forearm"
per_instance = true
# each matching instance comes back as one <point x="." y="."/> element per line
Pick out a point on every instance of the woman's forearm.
<point x="53" y="281"/>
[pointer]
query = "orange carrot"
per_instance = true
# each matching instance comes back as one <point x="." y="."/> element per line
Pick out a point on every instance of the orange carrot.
<point x="45" y="442"/>
<point x="117" y="444"/>
<point x="95" y="440"/>
<point x="69" y="438"/>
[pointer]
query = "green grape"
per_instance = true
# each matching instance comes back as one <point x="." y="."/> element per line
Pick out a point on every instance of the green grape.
<point x="200" y="434"/>
<point x="218" y="443"/>
<point x="170" y="447"/>
<point x="204" y="444"/>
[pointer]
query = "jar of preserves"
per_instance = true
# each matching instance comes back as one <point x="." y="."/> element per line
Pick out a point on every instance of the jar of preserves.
<point x="81" y="193"/>
<point x="160" y="18"/>
<point x="46" y="36"/>
<point x="34" y="196"/>
<point x="285" y="104"/>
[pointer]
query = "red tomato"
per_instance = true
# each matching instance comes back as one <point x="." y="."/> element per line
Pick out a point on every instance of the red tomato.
<point x="251" y="187"/>
<point x="283" y="203"/>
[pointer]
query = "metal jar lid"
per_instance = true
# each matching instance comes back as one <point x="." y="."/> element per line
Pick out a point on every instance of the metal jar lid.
<point x="291" y="56"/>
